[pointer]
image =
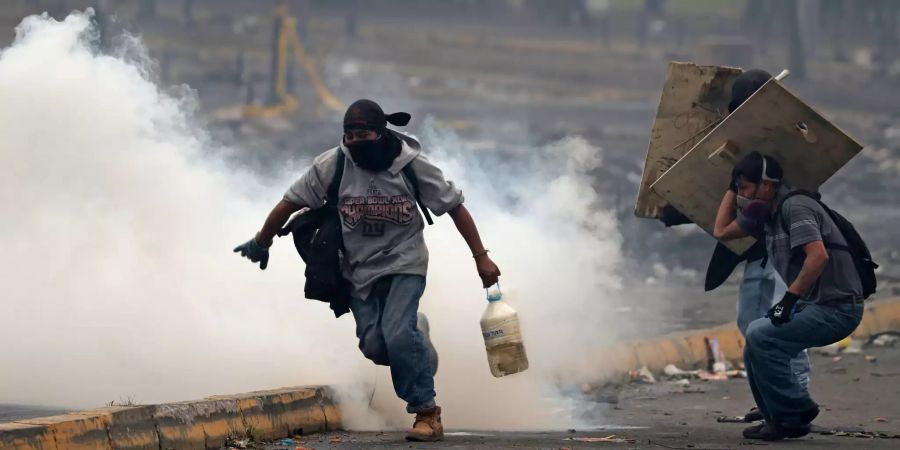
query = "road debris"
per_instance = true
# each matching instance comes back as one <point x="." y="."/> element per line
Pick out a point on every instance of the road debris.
<point x="731" y="419"/>
<point x="611" y="439"/>
<point x="855" y="346"/>
<point x="642" y="376"/>
<point x="672" y="370"/>
<point x="871" y="358"/>
<point x="887" y="339"/>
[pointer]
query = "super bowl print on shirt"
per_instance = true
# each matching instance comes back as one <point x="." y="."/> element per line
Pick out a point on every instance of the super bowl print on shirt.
<point x="375" y="210"/>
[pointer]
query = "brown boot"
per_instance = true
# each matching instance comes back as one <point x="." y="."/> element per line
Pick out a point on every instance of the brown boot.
<point x="428" y="427"/>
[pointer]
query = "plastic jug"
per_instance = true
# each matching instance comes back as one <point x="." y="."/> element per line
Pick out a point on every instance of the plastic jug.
<point x="502" y="336"/>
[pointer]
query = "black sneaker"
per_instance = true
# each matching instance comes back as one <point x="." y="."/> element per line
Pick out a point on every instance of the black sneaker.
<point x="755" y="415"/>
<point x="771" y="432"/>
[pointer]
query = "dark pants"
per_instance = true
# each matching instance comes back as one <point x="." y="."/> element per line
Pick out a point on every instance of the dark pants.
<point x="770" y="348"/>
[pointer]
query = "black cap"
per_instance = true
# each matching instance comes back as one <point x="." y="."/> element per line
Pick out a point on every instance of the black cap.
<point x="368" y="115"/>
<point x="745" y="85"/>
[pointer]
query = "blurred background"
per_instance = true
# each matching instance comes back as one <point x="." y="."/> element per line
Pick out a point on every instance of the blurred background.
<point x="271" y="79"/>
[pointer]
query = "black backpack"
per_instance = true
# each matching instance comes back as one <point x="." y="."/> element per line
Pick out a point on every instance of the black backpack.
<point x="318" y="237"/>
<point x="856" y="246"/>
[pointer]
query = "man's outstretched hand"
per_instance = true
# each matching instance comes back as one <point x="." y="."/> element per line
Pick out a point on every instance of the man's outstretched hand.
<point x="254" y="252"/>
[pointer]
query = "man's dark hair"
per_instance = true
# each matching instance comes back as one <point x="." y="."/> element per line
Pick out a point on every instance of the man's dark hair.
<point x="751" y="168"/>
<point x="745" y="85"/>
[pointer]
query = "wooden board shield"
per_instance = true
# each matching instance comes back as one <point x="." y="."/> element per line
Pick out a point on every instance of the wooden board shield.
<point x="694" y="99"/>
<point x="772" y="121"/>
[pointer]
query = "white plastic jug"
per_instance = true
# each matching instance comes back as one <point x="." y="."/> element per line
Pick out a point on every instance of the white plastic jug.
<point x="502" y="336"/>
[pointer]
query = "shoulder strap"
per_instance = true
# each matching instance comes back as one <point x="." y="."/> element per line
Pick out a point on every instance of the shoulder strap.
<point x="818" y="198"/>
<point x="410" y="175"/>
<point x="331" y="195"/>
<point x="780" y="217"/>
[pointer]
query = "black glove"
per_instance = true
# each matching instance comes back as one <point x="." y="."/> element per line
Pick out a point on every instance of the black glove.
<point x="783" y="311"/>
<point x="254" y="252"/>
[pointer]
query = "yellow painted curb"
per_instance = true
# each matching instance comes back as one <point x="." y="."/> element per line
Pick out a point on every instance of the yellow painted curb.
<point x="689" y="349"/>
<point x="201" y="424"/>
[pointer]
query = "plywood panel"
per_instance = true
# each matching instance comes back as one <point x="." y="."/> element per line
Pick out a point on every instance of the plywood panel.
<point x="694" y="99"/>
<point x="774" y="122"/>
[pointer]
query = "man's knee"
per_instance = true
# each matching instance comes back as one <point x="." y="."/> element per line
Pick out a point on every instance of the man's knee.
<point x="755" y="335"/>
<point x="375" y="350"/>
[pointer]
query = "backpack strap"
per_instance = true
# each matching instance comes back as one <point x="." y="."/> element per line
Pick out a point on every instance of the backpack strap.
<point x="331" y="195"/>
<point x="780" y="217"/>
<point x="410" y="175"/>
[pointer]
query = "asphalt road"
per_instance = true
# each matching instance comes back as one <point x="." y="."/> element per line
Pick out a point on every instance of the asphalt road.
<point x="854" y="394"/>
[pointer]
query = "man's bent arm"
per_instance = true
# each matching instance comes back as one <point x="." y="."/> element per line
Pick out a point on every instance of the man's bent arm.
<point x="726" y="227"/>
<point x="813" y="266"/>
<point x="276" y="219"/>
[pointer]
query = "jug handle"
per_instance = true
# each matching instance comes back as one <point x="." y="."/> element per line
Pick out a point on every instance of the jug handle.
<point x="487" y="293"/>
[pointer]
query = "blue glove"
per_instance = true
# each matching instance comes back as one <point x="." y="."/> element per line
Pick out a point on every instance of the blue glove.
<point x="783" y="311"/>
<point x="254" y="252"/>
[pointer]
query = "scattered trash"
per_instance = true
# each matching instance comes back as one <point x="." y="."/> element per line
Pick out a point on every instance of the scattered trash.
<point x="239" y="443"/>
<point x="829" y="431"/>
<point x="731" y="419"/>
<point x="286" y="442"/>
<point x="888" y="339"/>
<point x="719" y="367"/>
<point x="867" y="435"/>
<point x="336" y="440"/>
<point x="837" y="358"/>
<point x="871" y="358"/>
<point x="881" y="420"/>
<point x="673" y="371"/>
<point x="714" y="354"/>
<point x="611" y="438"/>
<point x="854" y="347"/>
<point x="709" y="376"/>
<point x="682" y="382"/>
<point x="642" y="376"/>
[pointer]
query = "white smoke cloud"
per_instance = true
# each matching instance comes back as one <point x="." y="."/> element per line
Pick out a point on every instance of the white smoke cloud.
<point x="118" y="277"/>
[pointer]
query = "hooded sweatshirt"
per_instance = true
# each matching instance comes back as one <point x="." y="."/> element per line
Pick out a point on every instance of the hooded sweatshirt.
<point x="381" y="223"/>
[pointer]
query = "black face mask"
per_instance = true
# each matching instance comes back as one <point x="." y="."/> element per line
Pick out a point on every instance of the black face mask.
<point x="377" y="155"/>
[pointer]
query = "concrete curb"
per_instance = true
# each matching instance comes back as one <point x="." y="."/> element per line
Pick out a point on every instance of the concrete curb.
<point x="201" y="424"/>
<point x="688" y="350"/>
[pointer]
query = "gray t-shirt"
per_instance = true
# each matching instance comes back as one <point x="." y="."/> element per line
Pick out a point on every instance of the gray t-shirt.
<point x="807" y="222"/>
<point x="382" y="226"/>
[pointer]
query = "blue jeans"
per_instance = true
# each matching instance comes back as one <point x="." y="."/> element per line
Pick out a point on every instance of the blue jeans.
<point x="770" y="348"/>
<point x="388" y="335"/>
<point x="759" y="291"/>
